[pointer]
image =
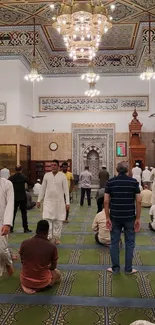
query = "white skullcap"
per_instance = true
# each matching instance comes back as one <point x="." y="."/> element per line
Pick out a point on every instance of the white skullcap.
<point x="38" y="180"/>
<point x="104" y="166"/>
<point x="137" y="164"/>
<point x="146" y="167"/>
<point x="151" y="167"/>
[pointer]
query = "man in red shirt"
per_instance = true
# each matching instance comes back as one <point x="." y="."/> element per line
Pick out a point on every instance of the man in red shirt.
<point x="39" y="260"/>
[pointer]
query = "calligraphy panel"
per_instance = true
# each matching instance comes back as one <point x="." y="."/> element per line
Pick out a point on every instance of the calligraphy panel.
<point x="75" y="104"/>
<point x="2" y="112"/>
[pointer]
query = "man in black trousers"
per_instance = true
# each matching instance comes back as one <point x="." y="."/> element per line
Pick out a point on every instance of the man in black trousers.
<point x="18" y="180"/>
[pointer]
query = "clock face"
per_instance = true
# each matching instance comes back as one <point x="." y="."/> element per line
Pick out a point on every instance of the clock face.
<point x="53" y="146"/>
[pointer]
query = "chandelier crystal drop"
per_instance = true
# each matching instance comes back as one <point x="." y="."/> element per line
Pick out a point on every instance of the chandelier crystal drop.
<point x="90" y="77"/>
<point x="82" y="26"/>
<point x="92" y="91"/>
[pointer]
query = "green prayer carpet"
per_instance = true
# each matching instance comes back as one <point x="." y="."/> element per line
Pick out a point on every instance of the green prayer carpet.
<point x="89" y="282"/>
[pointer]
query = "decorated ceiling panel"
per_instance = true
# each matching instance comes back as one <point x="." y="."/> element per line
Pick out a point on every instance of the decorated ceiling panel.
<point x="122" y="50"/>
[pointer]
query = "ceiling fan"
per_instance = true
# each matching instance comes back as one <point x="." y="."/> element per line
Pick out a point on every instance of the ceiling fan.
<point x="36" y="116"/>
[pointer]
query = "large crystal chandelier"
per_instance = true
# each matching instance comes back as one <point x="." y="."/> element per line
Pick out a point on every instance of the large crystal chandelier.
<point x="82" y="25"/>
<point x="34" y="75"/>
<point x="149" y="73"/>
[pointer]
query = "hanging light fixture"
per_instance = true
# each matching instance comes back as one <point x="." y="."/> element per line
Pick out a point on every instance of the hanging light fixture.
<point x="34" y="75"/>
<point x="90" y="76"/>
<point x="149" y="73"/>
<point x="82" y="25"/>
<point x="92" y="91"/>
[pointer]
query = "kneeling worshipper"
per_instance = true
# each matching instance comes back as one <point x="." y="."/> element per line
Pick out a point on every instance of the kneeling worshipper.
<point x="30" y="204"/>
<point x="53" y="190"/>
<point x="39" y="261"/>
<point x="152" y="217"/>
<point x="102" y="235"/>
<point x="146" y="196"/>
<point x="6" y="219"/>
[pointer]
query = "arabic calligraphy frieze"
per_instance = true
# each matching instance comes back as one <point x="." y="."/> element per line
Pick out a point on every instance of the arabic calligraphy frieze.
<point x="75" y="104"/>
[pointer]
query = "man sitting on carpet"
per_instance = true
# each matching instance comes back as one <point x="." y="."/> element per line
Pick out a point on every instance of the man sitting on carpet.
<point x="39" y="260"/>
<point x="102" y="235"/>
<point x="152" y="217"/>
<point x="146" y="196"/>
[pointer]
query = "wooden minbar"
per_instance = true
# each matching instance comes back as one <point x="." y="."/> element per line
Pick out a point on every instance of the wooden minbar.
<point x="137" y="150"/>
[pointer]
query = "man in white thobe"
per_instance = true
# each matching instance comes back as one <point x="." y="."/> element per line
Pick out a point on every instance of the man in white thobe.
<point x="53" y="190"/>
<point x="5" y="172"/>
<point x="146" y="176"/>
<point x="137" y="173"/>
<point x="6" y="219"/>
<point x="152" y="179"/>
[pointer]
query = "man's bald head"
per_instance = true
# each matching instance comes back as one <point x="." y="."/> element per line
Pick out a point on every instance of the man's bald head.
<point x="122" y="167"/>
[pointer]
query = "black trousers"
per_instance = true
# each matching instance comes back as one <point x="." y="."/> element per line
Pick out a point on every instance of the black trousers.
<point x="100" y="203"/>
<point x="22" y="205"/>
<point x="88" y="191"/>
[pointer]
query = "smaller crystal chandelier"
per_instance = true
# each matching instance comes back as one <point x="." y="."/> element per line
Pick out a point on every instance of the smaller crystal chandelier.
<point x="149" y="73"/>
<point x="92" y="91"/>
<point x="34" y="75"/>
<point x="90" y="77"/>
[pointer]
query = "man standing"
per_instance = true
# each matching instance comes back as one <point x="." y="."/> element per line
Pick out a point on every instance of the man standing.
<point x="6" y="218"/>
<point x="103" y="176"/>
<point x="146" y="176"/>
<point x="39" y="260"/>
<point x="119" y="202"/>
<point x="53" y="190"/>
<point x="137" y="173"/>
<point x="19" y="180"/>
<point x="85" y="180"/>
<point x="5" y="173"/>
<point x="70" y="180"/>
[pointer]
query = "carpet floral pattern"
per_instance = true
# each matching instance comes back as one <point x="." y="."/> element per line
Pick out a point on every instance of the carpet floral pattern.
<point x="87" y="294"/>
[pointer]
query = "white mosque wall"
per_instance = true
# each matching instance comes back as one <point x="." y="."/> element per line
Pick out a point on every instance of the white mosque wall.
<point x="9" y="90"/>
<point x="108" y="86"/>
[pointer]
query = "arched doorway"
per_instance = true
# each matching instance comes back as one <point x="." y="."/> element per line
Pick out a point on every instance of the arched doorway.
<point x="93" y="163"/>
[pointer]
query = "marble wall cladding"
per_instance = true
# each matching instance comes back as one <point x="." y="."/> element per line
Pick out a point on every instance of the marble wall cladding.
<point x="39" y="143"/>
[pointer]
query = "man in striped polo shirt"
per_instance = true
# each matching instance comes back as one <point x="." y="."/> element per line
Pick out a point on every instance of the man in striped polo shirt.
<point x="121" y="194"/>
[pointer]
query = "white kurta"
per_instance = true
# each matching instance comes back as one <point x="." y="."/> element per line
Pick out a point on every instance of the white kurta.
<point x="53" y="190"/>
<point x="136" y="173"/>
<point x="152" y="179"/>
<point x="146" y="176"/>
<point x="36" y="188"/>
<point x="6" y="218"/>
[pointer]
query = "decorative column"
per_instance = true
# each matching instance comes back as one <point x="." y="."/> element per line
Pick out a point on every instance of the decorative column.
<point x="137" y="150"/>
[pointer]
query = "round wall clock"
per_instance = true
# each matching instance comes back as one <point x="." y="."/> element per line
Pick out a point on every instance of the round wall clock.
<point x="53" y="146"/>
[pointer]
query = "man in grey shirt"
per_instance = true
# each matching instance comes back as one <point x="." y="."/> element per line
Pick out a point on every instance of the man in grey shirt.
<point x="85" y="180"/>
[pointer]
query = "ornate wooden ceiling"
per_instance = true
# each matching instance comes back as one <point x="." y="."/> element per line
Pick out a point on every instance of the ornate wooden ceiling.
<point x="123" y="49"/>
